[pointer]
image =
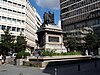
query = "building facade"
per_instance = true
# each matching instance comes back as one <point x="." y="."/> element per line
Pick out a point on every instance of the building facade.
<point x="79" y="14"/>
<point x="19" y="16"/>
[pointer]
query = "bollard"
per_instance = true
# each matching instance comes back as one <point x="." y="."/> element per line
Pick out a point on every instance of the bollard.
<point x="79" y="67"/>
<point x="95" y="63"/>
<point x="37" y="62"/>
<point x="55" y="71"/>
<point x="20" y="73"/>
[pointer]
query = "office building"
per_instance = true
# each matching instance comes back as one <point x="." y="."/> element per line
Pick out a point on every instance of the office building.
<point x="79" y="14"/>
<point x="19" y="16"/>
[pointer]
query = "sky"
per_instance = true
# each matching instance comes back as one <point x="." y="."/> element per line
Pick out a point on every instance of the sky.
<point x="48" y="5"/>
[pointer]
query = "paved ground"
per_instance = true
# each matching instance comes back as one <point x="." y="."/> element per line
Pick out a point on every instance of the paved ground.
<point x="87" y="68"/>
<point x="7" y="69"/>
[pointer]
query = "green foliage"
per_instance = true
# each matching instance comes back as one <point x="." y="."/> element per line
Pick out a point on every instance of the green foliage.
<point x="21" y="43"/>
<point x="49" y="52"/>
<point x="74" y="53"/>
<point x="72" y="43"/>
<point x="7" y="41"/>
<point x="91" y="41"/>
<point x="22" y="55"/>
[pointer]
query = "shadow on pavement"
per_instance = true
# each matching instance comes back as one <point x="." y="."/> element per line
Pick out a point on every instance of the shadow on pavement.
<point x="76" y="67"/>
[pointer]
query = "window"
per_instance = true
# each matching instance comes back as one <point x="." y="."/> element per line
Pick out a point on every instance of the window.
<point x="5" y="0"/>
<point x="14" y="11"/>
<point x="22" y="29"/>
<point x="9" y="19"/>
<point x="19" y="4"/>
<point x="13" y="28"/>
<point x="9" y="2"/>
<point x="53" y="39"/>
<point x="3" y="18"/>
<point x="3" y="27"/>
<point x="22" y="21"/>
<point x="9" y="10"/>
<point x="18" y="21"/>
<point x="9" y="27"/>
<point x="18" y="29"/>
<point x="14" y="20"/>
<point x="23" y="6"/>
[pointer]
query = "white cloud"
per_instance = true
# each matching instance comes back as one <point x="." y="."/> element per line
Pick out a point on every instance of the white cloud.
<point x="52" y="4"/>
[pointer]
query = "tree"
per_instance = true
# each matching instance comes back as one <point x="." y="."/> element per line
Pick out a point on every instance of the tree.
<point x="72" y="43"/>
<point x="21" y="43"/>
<point x="7" y="41"/>
<point x="91" y="41"/>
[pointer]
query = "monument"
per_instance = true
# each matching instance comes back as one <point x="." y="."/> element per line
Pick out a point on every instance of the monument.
<point x="50" y="35"/>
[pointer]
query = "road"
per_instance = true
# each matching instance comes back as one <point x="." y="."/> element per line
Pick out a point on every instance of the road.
<point x="8" y="69"/>
<point x="86" y="68"/>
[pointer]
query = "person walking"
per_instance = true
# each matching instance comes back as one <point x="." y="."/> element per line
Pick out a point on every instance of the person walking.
<point x="2" y="60"/>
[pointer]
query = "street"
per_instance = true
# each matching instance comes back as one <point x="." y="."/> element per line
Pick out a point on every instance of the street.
<point x="7" y="69"/>
<point x="86" y="68"/>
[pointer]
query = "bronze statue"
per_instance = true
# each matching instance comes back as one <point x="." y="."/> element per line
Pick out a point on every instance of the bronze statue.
<point x="48" y="18"/>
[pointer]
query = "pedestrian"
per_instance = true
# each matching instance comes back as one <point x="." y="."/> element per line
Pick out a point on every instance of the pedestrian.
<point x="39" y="53"/>
<point x="2" y="59"/>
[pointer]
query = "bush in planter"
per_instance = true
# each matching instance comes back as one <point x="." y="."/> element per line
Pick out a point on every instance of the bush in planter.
<point x="22" y="55"/>
<point x="48" y="52"/>
<point x="74" y="53"/>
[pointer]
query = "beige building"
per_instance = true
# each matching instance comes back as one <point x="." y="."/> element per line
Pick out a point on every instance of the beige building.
<point x="19" y="16"/>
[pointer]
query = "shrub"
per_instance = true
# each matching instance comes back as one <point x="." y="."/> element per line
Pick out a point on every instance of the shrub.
<point x="48" y="52"/>
<point x="74" y="53"/>
<point x="22" y="55"/>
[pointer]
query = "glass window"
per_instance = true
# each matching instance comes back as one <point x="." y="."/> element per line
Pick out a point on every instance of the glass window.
<point x="5" y="0"/>
<point x="9" y="27"/>
<point x="9" y="19"/>
<point x="9" y="2"/>
<point x="3" y="18"/>
<point x="18" y="21"/>
<point x="19" y="4"/>
<point x="3" y="27"/>
<point x="14" y="20"/>
<point x="23" y="6"/>
<point x="13" y="28"/>
<point x="22" y="21"/>
<point x="22" y="29"/>
<point x="14" y="11"/>
<point x="18" y="29"/>
<point x="9" y="10"/>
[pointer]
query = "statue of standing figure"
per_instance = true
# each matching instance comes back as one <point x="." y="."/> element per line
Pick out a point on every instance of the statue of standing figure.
<point x="48" y="18"/>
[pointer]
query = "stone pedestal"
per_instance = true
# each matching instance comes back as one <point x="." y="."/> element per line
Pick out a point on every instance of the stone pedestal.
<point x="19" y="62"/>
<point x="50" y="36"/>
